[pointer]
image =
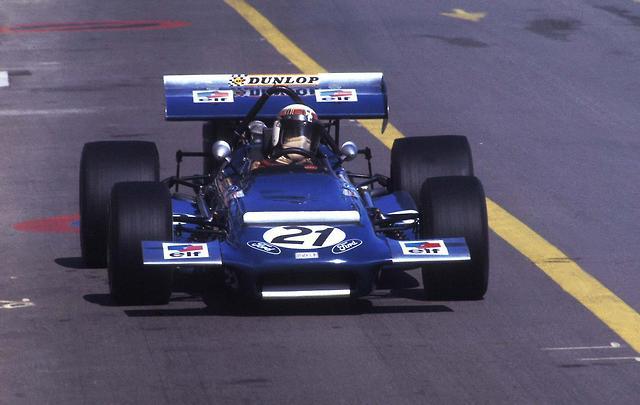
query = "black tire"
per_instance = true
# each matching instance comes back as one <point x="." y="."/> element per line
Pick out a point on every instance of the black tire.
<point x="138" y="211"/>
<point x="453" y="207"/>
<point x="102" y="165"/>
<point x="417" y="158"/>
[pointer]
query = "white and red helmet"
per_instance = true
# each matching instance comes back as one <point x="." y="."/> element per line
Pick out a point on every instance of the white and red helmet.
<point x="294" y="128"/>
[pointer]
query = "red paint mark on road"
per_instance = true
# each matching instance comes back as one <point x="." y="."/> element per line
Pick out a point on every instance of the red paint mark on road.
<point x="143" y="25"/>
<point x="59" y="224"/>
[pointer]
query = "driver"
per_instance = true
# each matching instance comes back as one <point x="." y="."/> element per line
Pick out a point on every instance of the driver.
<point x="294" y="128"/>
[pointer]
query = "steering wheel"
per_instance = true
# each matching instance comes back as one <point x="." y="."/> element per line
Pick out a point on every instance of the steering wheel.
<point x="292" y="151"/>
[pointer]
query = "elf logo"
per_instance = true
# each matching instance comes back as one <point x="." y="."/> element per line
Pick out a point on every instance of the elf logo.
<point x="336" y="96"/>
<point x="424" y="248"/>
<point x="185" y="250"/>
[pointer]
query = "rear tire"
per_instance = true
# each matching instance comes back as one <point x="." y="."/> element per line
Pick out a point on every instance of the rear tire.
<point x="417" y="158"/>
<point x="456" y="207"/>
<point x="138" y="211"/>
<point x="102" y="165"/>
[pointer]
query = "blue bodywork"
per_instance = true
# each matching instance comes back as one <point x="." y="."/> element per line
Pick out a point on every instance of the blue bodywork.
<point x="355" y="260"/>
<point x="310" y="192"/>
<point x="293" y="227"/>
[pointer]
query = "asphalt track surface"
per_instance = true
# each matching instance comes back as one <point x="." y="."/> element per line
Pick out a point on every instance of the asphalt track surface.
<point x="548" y="93"/>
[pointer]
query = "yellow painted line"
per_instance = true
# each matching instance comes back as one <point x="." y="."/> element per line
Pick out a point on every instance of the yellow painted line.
<point x="302" y="61"/>
<point x="276" y="38"/>
<point x="614" y="312"/>
<point x="465" y="15"/>
<point x="604" y="304"/>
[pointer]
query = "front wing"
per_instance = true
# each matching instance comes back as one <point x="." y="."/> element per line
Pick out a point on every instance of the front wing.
<point x="402" y="254"/>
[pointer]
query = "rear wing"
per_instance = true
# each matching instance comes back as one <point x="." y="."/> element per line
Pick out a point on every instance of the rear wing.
<point x="231" y="96"/>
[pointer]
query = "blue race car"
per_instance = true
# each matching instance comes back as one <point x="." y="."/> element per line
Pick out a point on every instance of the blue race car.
<point x="275" y="214"/>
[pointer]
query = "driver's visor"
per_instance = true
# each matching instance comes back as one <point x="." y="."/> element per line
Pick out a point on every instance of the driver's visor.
<point x="296" y="134"/>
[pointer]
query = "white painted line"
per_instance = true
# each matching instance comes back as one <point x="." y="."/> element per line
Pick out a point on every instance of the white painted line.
<point x="612" y="345"/>
<point x="610" y="358"/>
<point x="4" y="79"/>
<point x="25" y="302"/>
<point x="60" y="111"/>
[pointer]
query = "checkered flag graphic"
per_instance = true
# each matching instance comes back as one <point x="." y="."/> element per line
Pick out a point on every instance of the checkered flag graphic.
<point x="238" y="80"/>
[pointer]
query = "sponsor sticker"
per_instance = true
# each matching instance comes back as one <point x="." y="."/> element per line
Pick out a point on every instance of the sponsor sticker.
<point x="345" y="246"/>
<point x="336" y="96"/>
<point x="257" y="92"/>
<point x="184" y="250"/>
<point x="264" y="247"/>
<point x="240" y="80"/>
<point x="424" y="248"/>
<point x="304" y="237"/>
<point x="307" y="255"/>
<point x="212" y="96"/>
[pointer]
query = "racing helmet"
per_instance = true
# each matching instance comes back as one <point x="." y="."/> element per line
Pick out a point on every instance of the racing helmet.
<point x="295" y="128"/>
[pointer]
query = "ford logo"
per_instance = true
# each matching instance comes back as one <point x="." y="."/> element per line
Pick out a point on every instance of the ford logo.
<point x="264" y="247"/>
<point x="346" y="246"/>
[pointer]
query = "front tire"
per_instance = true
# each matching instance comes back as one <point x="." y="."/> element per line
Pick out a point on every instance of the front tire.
<point x="102" y="165"/>
<point x="456" y="207"/>
<point x="138" y="211"/>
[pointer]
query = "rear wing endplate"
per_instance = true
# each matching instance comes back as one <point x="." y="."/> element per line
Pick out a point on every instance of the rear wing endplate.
<point x="231" y="96"/>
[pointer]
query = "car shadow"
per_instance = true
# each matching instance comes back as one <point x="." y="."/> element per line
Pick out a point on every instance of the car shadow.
<point x="292" y="308"/>
<point x="391" y="286"/>
<point x="104" y="300"/>
<point x="393" y="280"/>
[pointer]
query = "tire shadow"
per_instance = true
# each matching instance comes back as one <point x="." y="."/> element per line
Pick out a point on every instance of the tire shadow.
<point x="104" y="300"/>
<point x="72" y="263"/>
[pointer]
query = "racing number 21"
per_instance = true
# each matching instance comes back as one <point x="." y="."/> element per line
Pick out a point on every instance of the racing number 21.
<point x="286" y="239"/>
<point x="304" y="237"/>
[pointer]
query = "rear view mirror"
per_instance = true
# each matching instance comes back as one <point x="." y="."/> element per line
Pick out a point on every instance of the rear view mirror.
<point x="349" y="150"/>
<point x="220" y="150"/>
